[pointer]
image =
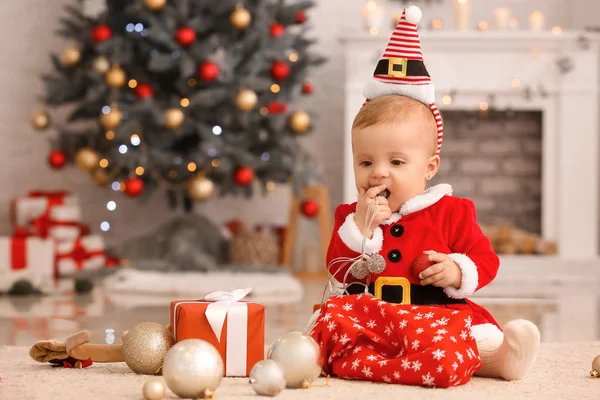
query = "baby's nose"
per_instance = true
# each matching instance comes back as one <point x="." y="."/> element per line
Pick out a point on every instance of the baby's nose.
<point x="380" y="171"/>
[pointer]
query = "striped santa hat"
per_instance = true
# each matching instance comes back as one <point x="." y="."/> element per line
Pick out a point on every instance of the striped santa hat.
<point x="402" y="70"/>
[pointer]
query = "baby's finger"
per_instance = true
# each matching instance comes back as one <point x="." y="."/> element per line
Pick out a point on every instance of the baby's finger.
<point x="375" y="190"/>
<point x="361" y="192"/>
<point x="433" y="279"/>
<point x="382" y="201"/>
<point x="430" y="271"/>
<point x="438" y="257"/>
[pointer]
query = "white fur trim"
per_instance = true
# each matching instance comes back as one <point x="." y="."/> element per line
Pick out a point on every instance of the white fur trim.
<point x="395" y="218"/>
<point x="352" y="237"/>
<point x="413" y="14"/>
<point x="428" y="198"/>
<point x="470" y="277"/>
<point x="487" y="331"/>
<point x="423" y="93"/>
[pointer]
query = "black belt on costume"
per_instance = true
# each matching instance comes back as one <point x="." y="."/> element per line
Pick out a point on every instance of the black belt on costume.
<point x="419" y="294"/>
<point x="400" y="67"/>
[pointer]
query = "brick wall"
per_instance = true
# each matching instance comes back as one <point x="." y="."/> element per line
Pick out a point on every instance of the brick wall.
<point x="495" y="161"/>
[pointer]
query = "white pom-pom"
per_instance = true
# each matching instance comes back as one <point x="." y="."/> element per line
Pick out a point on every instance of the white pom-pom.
<point x="413" y="14"/>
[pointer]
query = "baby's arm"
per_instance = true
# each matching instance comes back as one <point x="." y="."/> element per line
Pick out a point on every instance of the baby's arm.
<point x="471" y="250"/>
<point x="346" y="241"/>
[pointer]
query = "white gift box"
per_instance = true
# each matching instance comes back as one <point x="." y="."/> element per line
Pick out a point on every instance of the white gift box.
<point x="26" y="209"/>
<point x="28" y="258"/>
<point x="65" y="222"/>
<point x="84" y="253"/>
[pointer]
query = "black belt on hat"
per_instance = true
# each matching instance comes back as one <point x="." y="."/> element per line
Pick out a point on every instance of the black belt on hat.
<point x="419" y="294"/>
<point x="401" y="67"/>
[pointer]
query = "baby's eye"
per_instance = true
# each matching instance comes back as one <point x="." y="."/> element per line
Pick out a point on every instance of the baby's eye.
<point x="365" y="163"/>
<point x="397" y="162"/>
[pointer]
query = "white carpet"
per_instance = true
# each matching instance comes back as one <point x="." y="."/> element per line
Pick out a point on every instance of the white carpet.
<point x="561" y="372"/>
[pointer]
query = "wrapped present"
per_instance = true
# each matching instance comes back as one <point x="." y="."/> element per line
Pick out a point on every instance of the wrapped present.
<point x="235" y="328"/>
<point x="83" y="253"/>
<point x="26" y="258"/>
<point x="36" y="204"/>
<point x="64" y="223"/>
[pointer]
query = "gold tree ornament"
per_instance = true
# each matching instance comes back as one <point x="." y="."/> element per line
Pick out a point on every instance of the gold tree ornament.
<point x="299" y="122"/>
<point x="246" y="100"/>
<point x="41" y="120"/>
<point x="174" y="117"/>
<point x="100" y="177"/>
<point x="155" y="5"/>
<point x="240" y="18"/>
<point x="87" y="159"/>
<point x="112" y="119"/>
<point x="101" y="65"/>
<point x="71" y="55"/>
<point x="116" y="77"/>
<point x="201" y="188"/>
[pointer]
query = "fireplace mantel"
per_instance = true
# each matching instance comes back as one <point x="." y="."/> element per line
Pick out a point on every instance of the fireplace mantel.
<point x="473" y="65"/>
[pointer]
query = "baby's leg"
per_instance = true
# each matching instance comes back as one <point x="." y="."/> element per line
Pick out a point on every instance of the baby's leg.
<point x="511" y="355"/>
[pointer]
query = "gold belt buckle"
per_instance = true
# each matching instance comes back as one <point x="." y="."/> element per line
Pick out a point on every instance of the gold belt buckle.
<point x="393" y="281"/>
<point x="393" y="61"/>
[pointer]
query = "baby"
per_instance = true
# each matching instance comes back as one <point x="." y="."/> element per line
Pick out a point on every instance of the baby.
<point x="396" y="145"/>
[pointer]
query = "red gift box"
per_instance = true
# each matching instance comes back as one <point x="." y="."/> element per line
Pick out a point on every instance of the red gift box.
<point x="84" y="253"/>
<point x="235" y="328"/>
<point x="36" y="207"/>
<point x="25" y="258"/>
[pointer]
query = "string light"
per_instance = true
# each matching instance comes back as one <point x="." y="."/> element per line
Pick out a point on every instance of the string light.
<point x="447" y="99"/>
<point x="483" y="106"/>
<point x="483" y="26"/>
<point x="557" y="30"/>
<point x="122" y="186"/>
<point x="437" y="23"/>
<point x="135" y="139"/>
<point x="116" y="186"/>
<point x="110" y="135"/>
<point x="172" y="174"/>
<point x="374" y="31"/>
<point x="270" y="185"/>
<point x="111" y="205"/>
<point x="139" y="171"/>
<point x="191" y="167"/>
<point x="122" y="149"/>
<point x="217" y="130"/>
<point x="103" y="163"/>
<point x="105" y="109"/>
<point x="264" y="111"/>
<point x="105" y="226"/>
<point x="516" y="83"/>
<point x="185" y="102"/>
<point x="275" y="88"/>
<point x="132" y="83"/>
<point x="215" y="163"/>
<point x="293" y="57"/>
<point x="191" y="82"/>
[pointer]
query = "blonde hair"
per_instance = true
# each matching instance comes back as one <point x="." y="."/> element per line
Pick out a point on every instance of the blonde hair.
<point x="395" y="108"/>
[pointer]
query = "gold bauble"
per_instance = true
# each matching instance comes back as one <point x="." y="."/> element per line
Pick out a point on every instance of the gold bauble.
<point x="154" y="389"/>
<point x="595" y="373"/>
<point x="145" y="347"/>
<point x="246" y="100"/>
<point x="112" y="119"/>
<point x="201" y="188"/>
<point x="101" y="65"/>
<point x="40" y="120"/>
<point x="70" y="56"/>
<point x="240" y="18"/>
<point x="174" y="118"/>
<point x="299" y="356"/>
<point x="193" y="369"/>
<point x="87" y="159"/>
<point x="115" y="77"/>
<point x="100" y="177"/>
<point x="300" y="122"/>
<point x="155" y="5"/>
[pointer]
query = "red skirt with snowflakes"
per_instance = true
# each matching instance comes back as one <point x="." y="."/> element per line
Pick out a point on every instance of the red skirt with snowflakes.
<point x="362" y="337"/>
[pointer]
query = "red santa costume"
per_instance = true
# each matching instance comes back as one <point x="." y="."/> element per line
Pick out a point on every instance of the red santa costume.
<point x="429" y="336"/>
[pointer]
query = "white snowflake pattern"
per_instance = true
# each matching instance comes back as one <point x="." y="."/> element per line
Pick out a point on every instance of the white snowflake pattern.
<point x="405" y="341"/>
<point x="428" y="380"/>
<point x="415" y="344"/>
<point x="403" y="324"/>
<point x="355" y="364"/>
<point x="382" y="312"/>
<point x="331" y="305"/>
<point x="366" y="309"/>
<point x="374" y="298"/>
<point x="354" y="319"/>
<point x="400" y="353"/>
<point x="429" y="315"/>
<point x="384" y="354"/>
<point x="464" y="335"/>
<point x="382" y="363"/>
<point x="367" y="371"/>
<point x="357" y="326"/>
<point x="443" y="321"/>
<point x="433" y="325"/>
<point x="344" y="364"/>
<point x="371" y="324"/>
<point x="455" y="312"/>
<point x="388" y="331"/>
<point x="341" y="315"/>
<point x="468" y="322"/>
<point x="358" y="297"/>
<point x="438" y="354"/>
<point x="375" y="339"/>
<point x="403" y="312"/>
<point x="396" y="375"/>
<point x="344" y="339"/>
<point x="471" y="354"/>
<point x="440" y="369"/>
<point x="327" y="317"/>
<point x="414" y="307"/>
<point x="453" y="339"/>
<point x="455" y="365"/>
<point x="371" y="347"/>
<point x="356" y="350"/>
<point x="347" y="307"/>
<point x="441" y="331"/>
<point x="418" y="331"/>
<point x="331" y="326"/>
<point x="391" y="324"/>
<point x="459" y="356"/>
<point x="395" y="344"/>
<point x="371" y="357"/>
<point x="335" y="337"/>
<point x="437" y="338"/>
<point x="386" y="379"/>
<point x="381" y="303"/>
<point x="406" y="364"/>
<point x="418" y="317"/>
<point x="416" y="365"/>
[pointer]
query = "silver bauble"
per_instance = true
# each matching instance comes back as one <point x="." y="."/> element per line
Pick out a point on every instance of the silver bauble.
<point x="299" y="357"/>
<point x="193" y="368"/>
<point x="359" y="269"/>
<point x="376" y="264"/>
<point x="267" y="378"/>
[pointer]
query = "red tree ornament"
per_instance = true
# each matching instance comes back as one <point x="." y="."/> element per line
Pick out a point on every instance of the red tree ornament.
<point x="208" y="71"/>
<point x="101" y="33"/>
<point x="185" y="36"/>
<point x="144" y="90"/>
<point x="280" y="70"/>
<point x="243" y="176"/>
<point x="310" y="208"/>
<point x="134" y="187"/>
<point x="420" y="264"/>
<point x="301" y="17"/>
<point x="277" y="107"/>
<point x="277" y="30"/>
<point x="307" y="88"/>
<point x="235" y="226"/>
<point x="57" y="159"/>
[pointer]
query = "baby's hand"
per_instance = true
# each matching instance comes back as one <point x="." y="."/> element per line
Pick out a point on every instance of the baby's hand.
<point x="442" y="274"/>
<point x="383" y="209"/>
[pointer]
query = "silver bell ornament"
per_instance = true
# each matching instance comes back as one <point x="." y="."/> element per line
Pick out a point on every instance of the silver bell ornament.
<point x="359" y="269"/>
<point x="299" y="356"/>
<point x="267" y="378"/>
<point x="376" y="264"/>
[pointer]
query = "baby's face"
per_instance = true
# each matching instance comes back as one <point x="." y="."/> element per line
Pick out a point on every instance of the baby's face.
<point x="398" y="155"/>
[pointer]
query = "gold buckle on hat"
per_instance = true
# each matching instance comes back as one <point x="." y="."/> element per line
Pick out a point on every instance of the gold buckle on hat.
<point x="393" y="281"/>
<point x="402" y="62"/>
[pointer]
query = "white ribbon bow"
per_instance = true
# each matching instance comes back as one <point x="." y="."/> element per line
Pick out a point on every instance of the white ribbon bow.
<point x="222" y="302"/>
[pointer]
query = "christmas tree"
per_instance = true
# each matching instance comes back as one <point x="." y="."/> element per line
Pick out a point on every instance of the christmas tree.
<point x="192" y="96"/>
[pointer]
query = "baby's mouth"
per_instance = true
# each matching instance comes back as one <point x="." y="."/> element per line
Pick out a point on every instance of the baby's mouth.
<point x="385" y="193"/>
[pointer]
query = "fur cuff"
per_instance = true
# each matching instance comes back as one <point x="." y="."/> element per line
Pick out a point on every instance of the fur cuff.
<point x="487" y="331"/>
<point x="351" y="236"/>
<point x="424" y="93"/>
<point x="470" y="277"/>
